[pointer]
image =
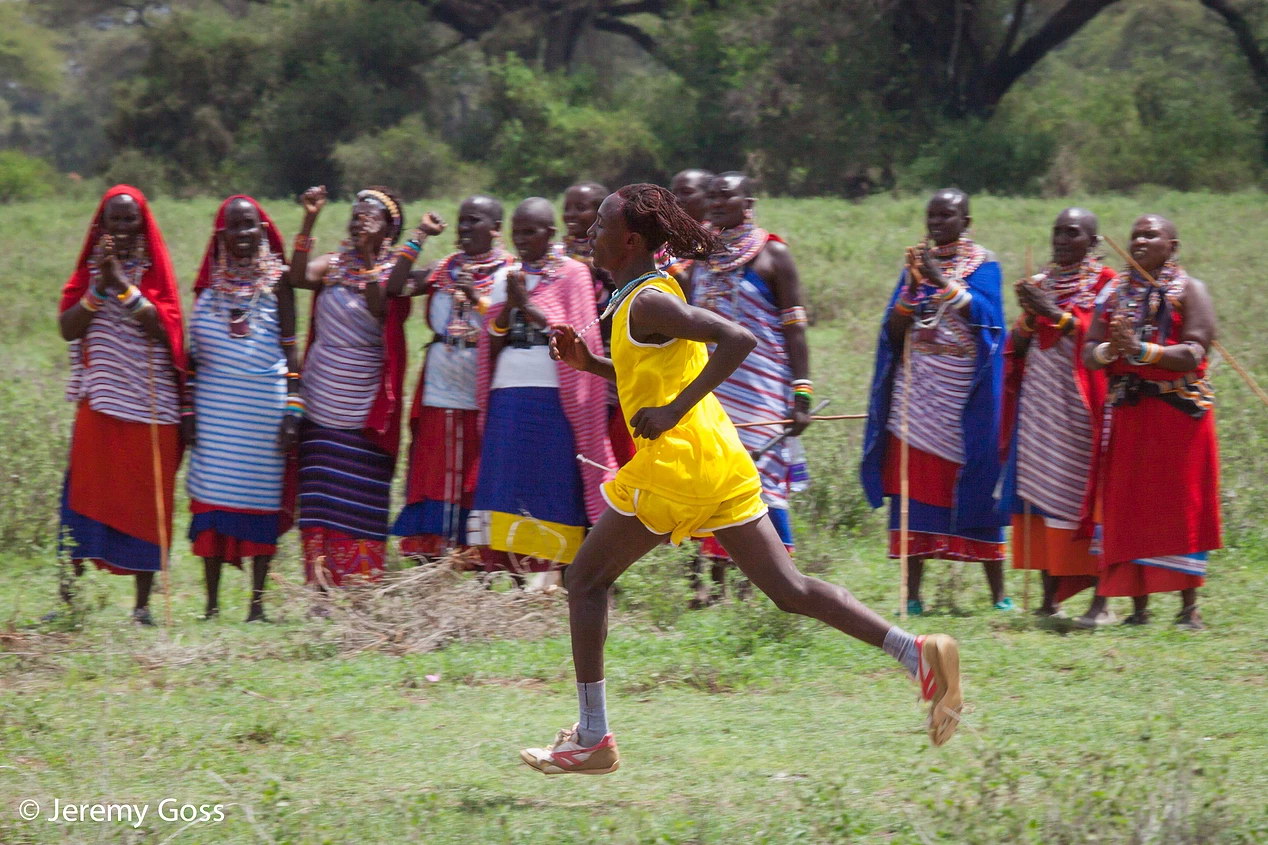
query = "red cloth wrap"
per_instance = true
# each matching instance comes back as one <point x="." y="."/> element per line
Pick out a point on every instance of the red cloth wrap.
<point x="158" y="285"/>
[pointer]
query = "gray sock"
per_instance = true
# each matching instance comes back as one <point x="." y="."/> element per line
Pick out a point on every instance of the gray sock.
<point x="593" y="724"/>
<point x="901" y="646"/>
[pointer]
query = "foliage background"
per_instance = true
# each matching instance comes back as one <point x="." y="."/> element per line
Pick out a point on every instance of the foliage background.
<point x="814" y="97"/>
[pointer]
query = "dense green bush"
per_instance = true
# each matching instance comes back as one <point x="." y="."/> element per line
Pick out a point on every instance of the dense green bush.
<point x="25" y="177"/>
<point x="410" y="157"/>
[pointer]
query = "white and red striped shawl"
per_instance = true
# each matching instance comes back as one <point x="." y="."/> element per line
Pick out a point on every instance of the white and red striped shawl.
<point x="567" y="298"/>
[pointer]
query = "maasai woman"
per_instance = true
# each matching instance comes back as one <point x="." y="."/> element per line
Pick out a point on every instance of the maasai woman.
<point x="1158" y="474"/>
<point x="121" y="312"/>
<point x="753" y="281"/>
<point x="1052" y="404"/>
<point x="691" y="475"/>
<point x="241" y="426"/>
<point x="947" y="304"/>
<point x="445" y="452"/>
<point x="534" y="497"/>
<point x="581" y="207"/>
<point x="354" y="368"/>
<point x="691" y="189"/>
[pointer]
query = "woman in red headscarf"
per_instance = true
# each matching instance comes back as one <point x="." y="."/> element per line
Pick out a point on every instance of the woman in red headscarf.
<point x="121" y="312"/>
<point x="243" y="419"/>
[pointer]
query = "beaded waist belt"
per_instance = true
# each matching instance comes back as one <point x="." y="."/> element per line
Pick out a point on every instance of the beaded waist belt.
<point x="454" y="340"/>
<point x="1189" y="393"/>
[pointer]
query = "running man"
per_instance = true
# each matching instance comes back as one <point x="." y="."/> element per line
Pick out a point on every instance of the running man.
<point x="666" y="381"/>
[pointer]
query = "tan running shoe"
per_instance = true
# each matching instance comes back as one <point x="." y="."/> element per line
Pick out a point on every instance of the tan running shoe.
<point x="938" y="672"/>
<point x="567" y="756"/>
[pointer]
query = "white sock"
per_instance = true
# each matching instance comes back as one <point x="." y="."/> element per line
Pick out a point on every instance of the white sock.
<point x="901" y="646"/>
<point x="593" y="724"/>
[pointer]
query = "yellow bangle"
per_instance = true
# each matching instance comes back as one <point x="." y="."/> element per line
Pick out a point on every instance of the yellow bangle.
<point x="483" y="304"/>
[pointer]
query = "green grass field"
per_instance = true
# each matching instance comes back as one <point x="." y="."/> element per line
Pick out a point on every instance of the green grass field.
<point x="737" y="723"/>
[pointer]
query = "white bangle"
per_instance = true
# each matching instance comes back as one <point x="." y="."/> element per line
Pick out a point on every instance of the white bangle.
<point x="1102" y="353"/>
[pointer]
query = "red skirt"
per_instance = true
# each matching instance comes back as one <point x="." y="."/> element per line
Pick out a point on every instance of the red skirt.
<point x="1159" y="484"/>
<point x="112" y="479"/>
<point x="444" y="457"/>
<point x="1134" y="579"/>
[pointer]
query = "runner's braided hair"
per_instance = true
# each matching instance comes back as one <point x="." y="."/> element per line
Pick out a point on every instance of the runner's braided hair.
<point x="656" y="214"/>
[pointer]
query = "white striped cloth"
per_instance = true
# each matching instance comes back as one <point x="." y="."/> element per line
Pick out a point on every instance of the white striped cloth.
<point x="940" y="388"/>
<point x="343" y="367"/>
<point x="761" y="387"/>
<point x="239" y="398"/>
<point x="1054" y="433"/>
<point x="114" y="365"/>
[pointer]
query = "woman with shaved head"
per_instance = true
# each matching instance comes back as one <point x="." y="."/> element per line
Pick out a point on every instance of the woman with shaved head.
<point x="1052" y="405"/>
<point x="1157" y="477"/>
<point x="445" y="449"/>
<point x="946" y="313"/>
<point x="533" y="498"/>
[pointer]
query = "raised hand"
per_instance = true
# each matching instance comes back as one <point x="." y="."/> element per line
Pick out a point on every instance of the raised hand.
<point x="1036" y="301"/>
<point x="313" y="200"/>
<point x="111" y="280"/>
<point x="431" y="225"/>
<point x="567" y="346"/>
<point x="931" y="269"/>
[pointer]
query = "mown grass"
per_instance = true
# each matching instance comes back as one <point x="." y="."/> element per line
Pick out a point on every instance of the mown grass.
<point x="737" y="723"/>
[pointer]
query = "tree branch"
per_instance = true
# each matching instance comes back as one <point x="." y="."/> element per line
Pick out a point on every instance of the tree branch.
<point x="1245" y="38"/>
<point x="630" y="31"/>
<point x="1014" y="29"/>
<point x="1006" y="70"/>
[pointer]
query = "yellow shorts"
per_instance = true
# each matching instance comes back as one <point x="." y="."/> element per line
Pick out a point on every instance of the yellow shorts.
<point x="663" y="516"/>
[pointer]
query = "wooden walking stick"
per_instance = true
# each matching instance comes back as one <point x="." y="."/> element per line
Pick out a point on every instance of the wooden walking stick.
<point x="1025" y="525"/>
<point x="1215" y="344"/>
<point x="904" y="469"/>
<point x="815" y="417"/>
<point x="160" y="504"/>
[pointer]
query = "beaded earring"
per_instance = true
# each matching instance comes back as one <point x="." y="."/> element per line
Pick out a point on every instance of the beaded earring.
<point x="748" y="214"/>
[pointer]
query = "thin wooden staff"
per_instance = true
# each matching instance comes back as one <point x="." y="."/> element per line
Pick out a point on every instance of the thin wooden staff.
<point x="1215" y="344"/>
<point x="1025" y="525"/>
<point x="815" y="417"/>
<point x="904" y="468"/>
<point x="160" y="504"/>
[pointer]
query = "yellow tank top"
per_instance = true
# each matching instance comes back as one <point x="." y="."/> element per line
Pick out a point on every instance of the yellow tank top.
<point x="701" y="459"/>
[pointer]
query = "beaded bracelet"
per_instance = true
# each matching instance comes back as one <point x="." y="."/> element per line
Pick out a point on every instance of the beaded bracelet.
<point x="1150" y="353"/>
<point x="303" y="243"/>
<point x="794" y="316"/>
<point x="1102" y="353"/>
<point x="905" y="307"/>
<point x="496" y="331"/>
<point x="409" y="251"/>
<point x="187" y="411"/>
<point x="803" y="388"/>
<point x="295" y="406"/>
<point x="89" y="304"/>
<point x="132" y="300"/>
<point x="292" y="375"/>
<point x="955" y="295"/>
<point x="288" y="341"/>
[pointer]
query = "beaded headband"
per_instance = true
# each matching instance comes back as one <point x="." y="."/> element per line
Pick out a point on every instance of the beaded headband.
<point x="389" y="204"/>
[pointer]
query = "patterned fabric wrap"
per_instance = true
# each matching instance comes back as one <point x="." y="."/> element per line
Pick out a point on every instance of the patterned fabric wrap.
<point x="238" y="405"/>
<point x="114" y="365"/>
<point x="344" y="364"/>
<point x="973" y="507"/>
<point x="761" y="389"/>
<point x="1057" y="404"/>
<point x="568" y="298"/>
<point x="344" y="482"/>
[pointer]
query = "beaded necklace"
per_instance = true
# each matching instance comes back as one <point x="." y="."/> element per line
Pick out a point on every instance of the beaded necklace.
<point x="239" y="286"/>
<point x="349" y="268"/>
<point x="581" y="249"/>
<point x="740" y="245"/>
<point x="548" y="265"/>
<point x="1147" y="303"/>
<point x="1070" y="285"/>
